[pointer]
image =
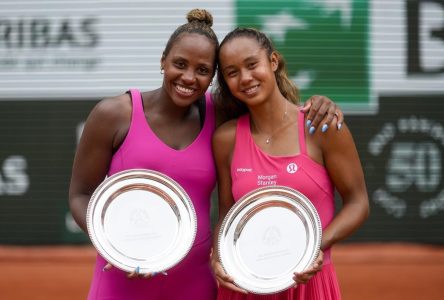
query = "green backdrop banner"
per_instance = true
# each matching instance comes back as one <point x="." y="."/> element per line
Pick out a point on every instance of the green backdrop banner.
<point x="324" y="44"/>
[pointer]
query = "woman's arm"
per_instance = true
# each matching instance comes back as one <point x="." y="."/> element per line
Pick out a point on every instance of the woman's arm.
<point x="344" y="167"/>
<point x="321" y="111"/>
<point x="100" y="136"/>
<point x="223" y="145"/>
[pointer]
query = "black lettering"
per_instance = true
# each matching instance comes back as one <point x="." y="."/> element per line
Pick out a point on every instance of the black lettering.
<point x="40" y="33"/>
<point x="413" y="65"/>
<point x="43" y="33"/>
<point x="20" y="34"/>
<point x="438" y="33"/>
<point x="90" y="33"/>
<point x="414" y="55"/>
<point x="5" y="32"/>
<point x="65" y="35"/>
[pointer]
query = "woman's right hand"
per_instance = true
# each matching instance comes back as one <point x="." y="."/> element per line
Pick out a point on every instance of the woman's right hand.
<point x="224" y="279"/>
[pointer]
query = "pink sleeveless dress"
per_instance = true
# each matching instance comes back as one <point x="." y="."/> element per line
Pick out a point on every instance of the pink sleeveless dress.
<point x="252" y="168"/>
<point x="193" y="168"/>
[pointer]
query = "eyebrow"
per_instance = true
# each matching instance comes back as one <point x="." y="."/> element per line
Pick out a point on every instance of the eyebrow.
<point x="178" y="57"/>
<point x="246" y="60"/>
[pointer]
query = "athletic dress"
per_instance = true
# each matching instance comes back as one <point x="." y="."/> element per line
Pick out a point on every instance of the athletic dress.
<point x="193" y="168"/>
<point x="252" y="168"/>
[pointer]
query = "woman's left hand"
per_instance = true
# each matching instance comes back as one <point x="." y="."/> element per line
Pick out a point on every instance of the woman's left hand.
<point x="321" y="112"/>
<point x="304" y="277"/>
<point x="133" y="274"/>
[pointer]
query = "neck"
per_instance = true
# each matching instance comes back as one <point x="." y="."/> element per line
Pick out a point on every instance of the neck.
<point x="161" y="104"/>
<point x="270" y="116"/>
<point x="267" y="127"/>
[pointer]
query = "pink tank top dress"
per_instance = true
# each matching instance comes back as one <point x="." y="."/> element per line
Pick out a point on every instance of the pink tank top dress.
<point x="193" y="168"/>
<point x="252" y="168"/>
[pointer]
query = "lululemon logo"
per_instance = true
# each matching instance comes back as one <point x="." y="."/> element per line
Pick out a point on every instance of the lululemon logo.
<point x="292" y="168"/>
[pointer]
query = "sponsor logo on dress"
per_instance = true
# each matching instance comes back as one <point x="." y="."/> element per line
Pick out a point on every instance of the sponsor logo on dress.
<point x="292" y="168"/>
<point x="263" y="180"/>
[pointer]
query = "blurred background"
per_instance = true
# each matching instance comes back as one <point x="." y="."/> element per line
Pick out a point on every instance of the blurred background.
<point x="382" y="61"/>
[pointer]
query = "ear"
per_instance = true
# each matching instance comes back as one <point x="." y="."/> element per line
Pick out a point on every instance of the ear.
<point x="274" y="59"/>
<point x="162" y="61"/>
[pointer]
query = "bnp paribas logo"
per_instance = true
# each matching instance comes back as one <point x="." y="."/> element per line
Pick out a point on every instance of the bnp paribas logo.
<point x="324" y="42"/>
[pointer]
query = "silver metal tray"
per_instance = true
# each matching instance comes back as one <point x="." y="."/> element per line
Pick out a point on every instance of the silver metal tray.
<point x="267" y="235"/>
<point x="141" y="219"/>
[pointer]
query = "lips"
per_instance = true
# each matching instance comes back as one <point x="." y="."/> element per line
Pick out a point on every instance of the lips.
<point x="251" y="90"/>
<point x="184" y="91"/>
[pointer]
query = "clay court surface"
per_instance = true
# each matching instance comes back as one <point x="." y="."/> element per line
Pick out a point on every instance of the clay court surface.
<point x="365" y="271"/>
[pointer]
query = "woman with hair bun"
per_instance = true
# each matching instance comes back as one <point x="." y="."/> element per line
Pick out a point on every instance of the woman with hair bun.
<point x="168" y="130"/>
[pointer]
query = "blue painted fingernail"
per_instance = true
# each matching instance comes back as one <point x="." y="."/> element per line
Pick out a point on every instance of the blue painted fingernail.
<point x="154" y="274"/>
<point x="312" y="130"/>
<point x="339" y="125"/>
<point x="137" y="270"/>
<point x="308" y="123"/>
<point x="324" y="128"/>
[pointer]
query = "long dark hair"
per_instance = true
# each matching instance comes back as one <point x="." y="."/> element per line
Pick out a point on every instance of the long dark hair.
<point x="232" y="107"/>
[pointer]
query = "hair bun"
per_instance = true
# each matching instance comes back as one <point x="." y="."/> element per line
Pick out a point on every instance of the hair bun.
<point x="200" y="15"/>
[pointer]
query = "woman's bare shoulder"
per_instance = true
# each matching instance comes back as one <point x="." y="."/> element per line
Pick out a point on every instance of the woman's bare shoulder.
<point x="112" y="110"/>
<point x="225" y="132"/>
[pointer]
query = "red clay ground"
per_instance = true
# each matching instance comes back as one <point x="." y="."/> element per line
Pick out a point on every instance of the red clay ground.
<point x="365" y="271"/>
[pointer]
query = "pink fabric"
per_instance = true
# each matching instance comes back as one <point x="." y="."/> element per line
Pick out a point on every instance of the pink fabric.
<point x="323" y="286"/>
<point x="193" y="168"/>
<point x="252" y="168"/>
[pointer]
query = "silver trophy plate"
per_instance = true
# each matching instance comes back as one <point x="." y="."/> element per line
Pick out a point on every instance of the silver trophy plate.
<point x="141" y="219"/>
<point x="267" y="235"/>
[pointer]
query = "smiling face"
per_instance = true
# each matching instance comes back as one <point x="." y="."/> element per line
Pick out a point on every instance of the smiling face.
<point x="189" y="68"/>
<point x="248" y="70"/>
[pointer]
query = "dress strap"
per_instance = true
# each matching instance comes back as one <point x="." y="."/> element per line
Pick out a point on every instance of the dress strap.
<point x="301" y="128"/>
<point x="210" y="113"/>
<point x="136" y="99"/>
<point x="243" y="128"/>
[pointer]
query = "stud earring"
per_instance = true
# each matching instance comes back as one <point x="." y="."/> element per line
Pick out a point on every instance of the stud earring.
<point x="161" y="71"/>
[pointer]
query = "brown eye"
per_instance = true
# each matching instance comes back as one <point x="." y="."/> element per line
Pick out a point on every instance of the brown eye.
<point x="231" y="73"/>
<point x="252" y="65"/>
<point x="179" y="64"/>
<point x="204" y="71"/>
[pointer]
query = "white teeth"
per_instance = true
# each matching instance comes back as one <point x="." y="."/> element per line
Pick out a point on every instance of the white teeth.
<point x="251" y="90"/>
<point x="184" y="90"/>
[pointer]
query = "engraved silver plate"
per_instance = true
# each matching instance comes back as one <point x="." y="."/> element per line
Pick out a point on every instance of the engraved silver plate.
<point x="269" y="234"/>
<point x="141" y="218"/>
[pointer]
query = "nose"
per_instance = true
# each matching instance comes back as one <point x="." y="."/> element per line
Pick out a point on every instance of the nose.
<point x="245" y="76"/>
<point x="189" y="76"/>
